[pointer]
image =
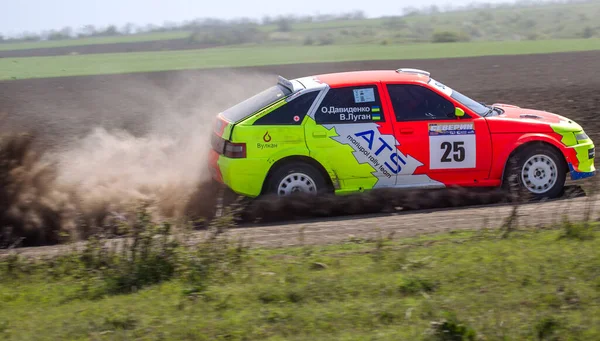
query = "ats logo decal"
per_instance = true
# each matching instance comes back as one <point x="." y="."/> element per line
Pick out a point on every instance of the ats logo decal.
<point x="267" y="137"/>
<point x="381" y="152"/>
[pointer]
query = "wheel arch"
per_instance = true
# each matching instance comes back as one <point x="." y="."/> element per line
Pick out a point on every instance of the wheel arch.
<point x="531" y="144"/>
<point x="298" y="158"/>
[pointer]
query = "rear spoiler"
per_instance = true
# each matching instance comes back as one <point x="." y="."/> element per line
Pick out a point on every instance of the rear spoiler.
<point x="285" y="83"/>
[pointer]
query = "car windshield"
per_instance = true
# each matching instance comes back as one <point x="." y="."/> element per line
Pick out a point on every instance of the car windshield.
<point x="253" y="104"/>
<point x="472" y="104"/>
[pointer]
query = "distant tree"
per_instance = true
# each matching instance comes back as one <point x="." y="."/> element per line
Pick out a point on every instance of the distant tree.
<point x="448" y="37"/>
<point x="266" y="20"/>
<point x="358" y="15"/>
<point x="228" y="35"/>
<point x="110" y="31"/>
<point x="284" y="25"/>
<point x="306" y="18"/>
<point x="308" y="40"/>
<point x="410" y="11"/>
<point x="55" y="35"/>
<point x="29" y="37"/>
<point x="1" y="38"/>
<point x="88" y="30"/>
<point x="326" y="39"/>
<point x="128" y="28"/>
<point x="588" y="32"/>
<point x="395" y="23"/>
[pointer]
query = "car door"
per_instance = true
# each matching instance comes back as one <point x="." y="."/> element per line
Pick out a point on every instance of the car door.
<point x="346" y="135"/>
<point x="451" y="150"/>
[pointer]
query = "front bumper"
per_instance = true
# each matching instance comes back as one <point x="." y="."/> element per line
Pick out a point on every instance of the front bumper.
<point x="581" y="160"/>
<point x="575" y="175"/>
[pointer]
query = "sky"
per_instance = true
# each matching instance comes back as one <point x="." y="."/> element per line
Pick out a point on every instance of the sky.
<point x="38" y="15"/>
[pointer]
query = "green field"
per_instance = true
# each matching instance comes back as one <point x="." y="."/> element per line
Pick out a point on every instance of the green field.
<point x="42" y="67"/>
<point x="529" y="285"/>
<point x="95" y="41"/>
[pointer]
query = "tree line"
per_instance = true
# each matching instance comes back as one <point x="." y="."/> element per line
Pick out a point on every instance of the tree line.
<point x="244" y="26"/>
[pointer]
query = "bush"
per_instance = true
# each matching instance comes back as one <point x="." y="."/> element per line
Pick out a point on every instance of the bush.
<point x="451" y="329"/>
<point x="546" y="328"/>
<point x="415" y="285"/>
<point x="233" y="35"/>
<point x="588" y="32"/>
<point x="308" y="41"/>
<point x="449" y="37"/>
<point x="326" y="40"/>
<point x="148" y="257"/>
<point x="580" y="231"/>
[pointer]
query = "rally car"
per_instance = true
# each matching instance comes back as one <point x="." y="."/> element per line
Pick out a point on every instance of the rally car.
<point x="355" y="131"/>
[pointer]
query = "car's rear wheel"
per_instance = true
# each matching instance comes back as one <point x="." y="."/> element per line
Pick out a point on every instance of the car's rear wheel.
<point x="296" y="177"/>
<point x="538" y="170"/>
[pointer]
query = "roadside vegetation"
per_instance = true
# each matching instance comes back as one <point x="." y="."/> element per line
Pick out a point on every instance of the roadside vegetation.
<point x="510" y="284"/>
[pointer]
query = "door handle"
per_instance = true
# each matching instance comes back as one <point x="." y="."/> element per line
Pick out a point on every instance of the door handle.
<point x="319" y="134"/>
<point x="406" y="131"/>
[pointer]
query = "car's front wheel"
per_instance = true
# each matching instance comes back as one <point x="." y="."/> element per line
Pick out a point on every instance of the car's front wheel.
<point x="296" y="177"/>
<point x="538" y="170"/>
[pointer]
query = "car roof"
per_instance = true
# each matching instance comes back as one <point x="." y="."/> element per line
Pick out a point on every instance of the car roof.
<point x="342" y="79"/>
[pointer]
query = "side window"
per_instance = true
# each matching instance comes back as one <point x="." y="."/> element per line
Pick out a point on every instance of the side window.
<point x="357" y="104"/>
<point x="417" y="103"/>
<point x="291" y="113"/>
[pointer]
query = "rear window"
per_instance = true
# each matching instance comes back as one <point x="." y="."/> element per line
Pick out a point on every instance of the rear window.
<point x="255" y="103"/>
<point x="291" y="113"/>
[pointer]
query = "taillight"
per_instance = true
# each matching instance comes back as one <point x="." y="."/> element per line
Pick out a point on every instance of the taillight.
<point x="217" y="143"/>
<point x="235" y="150"/>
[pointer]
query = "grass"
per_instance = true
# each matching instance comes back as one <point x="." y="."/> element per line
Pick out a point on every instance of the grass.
<point x="532" y="285"/>
<point x="95" y="40"/>
<point x="42" y="67"/>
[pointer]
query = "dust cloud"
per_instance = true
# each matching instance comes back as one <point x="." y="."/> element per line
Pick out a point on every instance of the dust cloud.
<point x="94" y="178"/>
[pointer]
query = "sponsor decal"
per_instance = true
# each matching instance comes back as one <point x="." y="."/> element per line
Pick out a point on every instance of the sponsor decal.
<point x="266" y="145"/>
<point x="380" y="152"/>
<point x="295" y="95"/>
<point x="436" y="129"/>
<point x="376" y="117"/>
<point x="441" y="87"/>
<point x="355" y="117"/>
<point x="452" y="146"/>
<point x="267" y="137"/>
<point x="372" y="150"/>
<point x="348" y="110"/>
<point x="364" y="95"/>
<point x="296" y="118"/>
<point x="375" y="109"/>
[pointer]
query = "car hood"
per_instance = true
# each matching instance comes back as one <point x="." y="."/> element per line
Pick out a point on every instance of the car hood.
<point x="516" y="119"/>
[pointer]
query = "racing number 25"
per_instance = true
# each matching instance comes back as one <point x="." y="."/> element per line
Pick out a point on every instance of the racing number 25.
<point x="456" y="148"/>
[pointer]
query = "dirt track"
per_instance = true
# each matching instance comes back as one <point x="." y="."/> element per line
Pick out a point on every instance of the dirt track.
<point x="357" y="228"/>
<point x="57" y="109"/>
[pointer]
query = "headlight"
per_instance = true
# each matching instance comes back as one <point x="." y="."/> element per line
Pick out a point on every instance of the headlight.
<point x="581" y="136"/>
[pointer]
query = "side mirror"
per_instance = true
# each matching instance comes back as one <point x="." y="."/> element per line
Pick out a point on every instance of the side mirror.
<point x="458" y="112"/>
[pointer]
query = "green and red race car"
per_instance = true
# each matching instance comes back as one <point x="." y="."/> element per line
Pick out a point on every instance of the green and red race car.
<point x="355" y="131"/>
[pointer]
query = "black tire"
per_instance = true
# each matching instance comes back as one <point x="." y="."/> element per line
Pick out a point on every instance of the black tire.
<point x="310" y="172"/>
<point x="538" y="157"/>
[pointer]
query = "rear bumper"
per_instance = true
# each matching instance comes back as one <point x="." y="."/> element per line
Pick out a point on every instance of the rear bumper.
<point x="243" y="176"/>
